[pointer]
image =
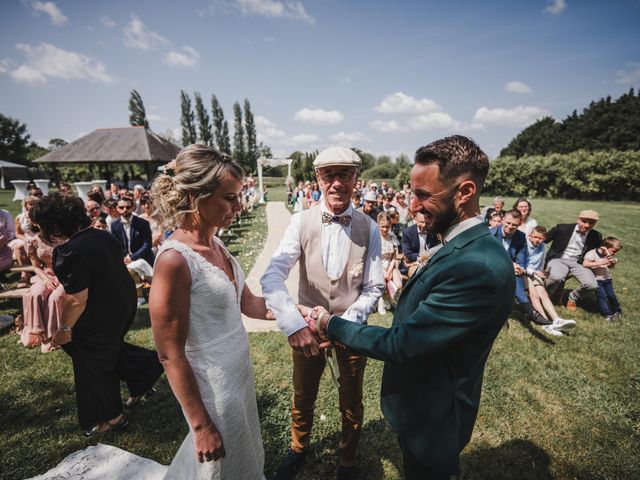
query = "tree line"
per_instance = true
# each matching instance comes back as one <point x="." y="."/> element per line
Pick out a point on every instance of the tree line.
<point x="604" y="125"/>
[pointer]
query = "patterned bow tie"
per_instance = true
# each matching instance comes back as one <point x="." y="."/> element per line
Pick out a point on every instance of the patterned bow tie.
<point x="328" y="218"/>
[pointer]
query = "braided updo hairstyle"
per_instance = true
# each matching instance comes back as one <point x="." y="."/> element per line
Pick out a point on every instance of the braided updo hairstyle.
<point x="197" y="173"/>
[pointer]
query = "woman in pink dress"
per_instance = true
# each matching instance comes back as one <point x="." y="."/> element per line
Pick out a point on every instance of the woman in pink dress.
<point x="42" y="304"/>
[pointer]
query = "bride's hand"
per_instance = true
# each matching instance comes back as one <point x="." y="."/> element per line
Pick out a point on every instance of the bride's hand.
<point x="208" y="444"/>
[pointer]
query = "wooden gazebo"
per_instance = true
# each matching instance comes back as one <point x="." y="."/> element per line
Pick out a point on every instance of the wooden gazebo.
<point x="116" y="145"/>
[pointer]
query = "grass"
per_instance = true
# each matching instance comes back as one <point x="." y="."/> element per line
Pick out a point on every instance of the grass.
<point x="561" y="408"/>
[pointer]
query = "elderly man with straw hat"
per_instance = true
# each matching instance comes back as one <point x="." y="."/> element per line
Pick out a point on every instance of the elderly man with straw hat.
<point x="570" y="241"/>
<point x="338" y="250"/>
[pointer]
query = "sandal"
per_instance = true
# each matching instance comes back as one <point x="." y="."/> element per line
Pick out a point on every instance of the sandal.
<point x="133" y="401"/>
<point x="109" y="427"/>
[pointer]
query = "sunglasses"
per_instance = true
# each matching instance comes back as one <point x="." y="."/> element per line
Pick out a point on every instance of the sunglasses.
<point x="125" y="207"/>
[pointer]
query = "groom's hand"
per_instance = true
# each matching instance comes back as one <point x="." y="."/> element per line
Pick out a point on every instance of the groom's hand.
<point x="304" y="341"/>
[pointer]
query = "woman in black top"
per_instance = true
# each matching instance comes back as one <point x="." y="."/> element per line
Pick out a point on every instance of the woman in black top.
<point x="98" y="311"/>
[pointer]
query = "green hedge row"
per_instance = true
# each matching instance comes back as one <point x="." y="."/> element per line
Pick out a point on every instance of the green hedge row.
<point x="605" y="175"/>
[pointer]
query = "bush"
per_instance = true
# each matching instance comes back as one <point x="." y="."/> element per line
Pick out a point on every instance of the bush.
<point x="384" y="170"/>
<point x="604" y="175"/>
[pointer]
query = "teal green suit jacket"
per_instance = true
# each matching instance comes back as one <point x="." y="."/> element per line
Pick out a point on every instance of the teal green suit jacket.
<point x="435" y="351"/>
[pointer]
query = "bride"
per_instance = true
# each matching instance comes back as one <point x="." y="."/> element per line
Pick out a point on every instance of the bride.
<point x="196" y="301"/>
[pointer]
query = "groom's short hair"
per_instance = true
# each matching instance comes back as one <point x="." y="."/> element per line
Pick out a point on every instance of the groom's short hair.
<point x="458" y="157"/>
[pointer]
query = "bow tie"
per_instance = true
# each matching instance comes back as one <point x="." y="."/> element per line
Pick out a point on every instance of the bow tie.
<point x="328" y="218"/>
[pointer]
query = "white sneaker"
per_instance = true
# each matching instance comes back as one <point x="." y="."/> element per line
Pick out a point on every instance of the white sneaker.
<point x="552" y="331"/>
<point x="381" y="307"/>
<point x="562" y="324"/>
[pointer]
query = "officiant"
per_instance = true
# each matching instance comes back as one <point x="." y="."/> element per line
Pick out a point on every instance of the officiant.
<point x="338" y="250"/>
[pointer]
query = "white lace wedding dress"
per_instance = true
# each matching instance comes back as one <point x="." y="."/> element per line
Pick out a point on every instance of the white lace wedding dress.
<point x="218" y="350"/>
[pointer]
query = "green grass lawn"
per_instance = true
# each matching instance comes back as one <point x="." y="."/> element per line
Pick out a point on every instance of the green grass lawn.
<point x="564" y="407"/>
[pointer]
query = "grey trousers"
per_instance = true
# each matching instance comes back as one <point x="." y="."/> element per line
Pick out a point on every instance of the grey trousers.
<point x="559" y="269"/>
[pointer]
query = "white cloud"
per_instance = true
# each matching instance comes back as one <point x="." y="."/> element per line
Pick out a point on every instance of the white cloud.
<point x="555" y="7"/>
<point x="266" y="130"/>
<point x="55" y="14"/>
<point x="349" y="138"/>
<point x="107" y="22"/>
<point x="630" y="76"/>
<point x="517" y="87"/>
<point x="432" y="121"/>
<point x="48" y="61"/>
<point x="137" y="35"/>
<point x="318" y="116"/>
<point x="5" y="65"/>
<point x="154" y="117"/>
<point x="302" y="139"/>
<point x="188" y="57"/>
<point x="519" y="116"/>
<point x="275" y="9"/>
<point x="387" y="126"/>
<point x="402" y="103"/>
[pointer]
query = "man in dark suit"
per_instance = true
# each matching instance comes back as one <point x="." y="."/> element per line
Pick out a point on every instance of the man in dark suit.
<point x="447" y="318"/>
<point x="515" y="243"/>
<point x="133" y="233"/>
<point x="570" y="241"/>
<point x="416" y="241"/>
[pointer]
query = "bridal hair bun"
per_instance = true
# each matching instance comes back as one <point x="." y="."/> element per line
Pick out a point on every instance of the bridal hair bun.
<point x="195" y="174"/>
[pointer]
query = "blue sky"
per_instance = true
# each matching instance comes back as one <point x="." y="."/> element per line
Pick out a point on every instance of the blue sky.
<point x="384" y="76"/>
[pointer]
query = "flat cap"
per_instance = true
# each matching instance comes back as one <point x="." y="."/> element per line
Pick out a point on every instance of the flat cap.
<point x="337" y="156"/>
<point x="589" y="215"/>
<point x="370" y="196"/>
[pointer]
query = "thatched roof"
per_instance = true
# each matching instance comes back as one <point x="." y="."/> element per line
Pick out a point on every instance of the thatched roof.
<point x="127" y="144"/>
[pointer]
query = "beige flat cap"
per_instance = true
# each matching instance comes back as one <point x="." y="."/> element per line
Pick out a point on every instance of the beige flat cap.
<point x="337" y="156"/>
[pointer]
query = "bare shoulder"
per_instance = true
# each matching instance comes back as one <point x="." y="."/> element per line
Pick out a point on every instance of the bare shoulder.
<point x="171" y="265"/>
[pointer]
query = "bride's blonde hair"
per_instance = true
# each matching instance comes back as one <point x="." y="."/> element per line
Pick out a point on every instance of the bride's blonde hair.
<point x="197" y="173"/>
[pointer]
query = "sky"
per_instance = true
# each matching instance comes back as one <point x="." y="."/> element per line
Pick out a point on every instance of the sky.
<point x="384" y="76"/>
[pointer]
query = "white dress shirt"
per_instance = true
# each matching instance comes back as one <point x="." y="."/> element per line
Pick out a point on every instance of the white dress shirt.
<point x="455" y="230"/>
<point x="575" y="245"/>
<point x="335" y="250"/>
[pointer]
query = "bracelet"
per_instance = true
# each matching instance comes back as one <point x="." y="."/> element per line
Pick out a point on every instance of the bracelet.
<point x="205" y="429"/>
<point x="64" y="328"/>
<point x="320" y="317"/>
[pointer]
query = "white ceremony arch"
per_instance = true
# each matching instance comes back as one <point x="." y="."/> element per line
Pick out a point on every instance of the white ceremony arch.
<point x="272" y="162"/>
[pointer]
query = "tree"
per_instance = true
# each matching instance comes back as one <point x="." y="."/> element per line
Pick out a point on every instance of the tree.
<point x="239" y="148"/>
<point x="218" y="125"/>
<point x="226" y="143"/>
<point x="187" y="120"/>
<point x="14" y="140"/>
<point x="204" y="125"/>
<point x="250" y="128"/>
<point x="137" y="113"/>
<point x="56" y="143"/>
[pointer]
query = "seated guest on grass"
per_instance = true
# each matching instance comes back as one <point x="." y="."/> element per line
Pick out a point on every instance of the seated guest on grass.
<point x="369" y="207"/>
<point x="515" y="243"/>
<point x="495" y="219"/>
<point x="498" y="207"/>
<point x="7" y="235"/>
<point x="133" y="233"/>
<point x="110" y="207"/>
<point x="569" y="243"/>
<point x="600" y="260"/>
<point x="535" y="281"/>
<point x="524" y="207"/>
<point x="23" y="233"/>
<point x="389" y="251"/>
<point x="416" y="242"/>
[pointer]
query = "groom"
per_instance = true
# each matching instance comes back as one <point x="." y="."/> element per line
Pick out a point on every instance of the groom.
<point x="338" y="249"/>
<point x="447" y="318"/>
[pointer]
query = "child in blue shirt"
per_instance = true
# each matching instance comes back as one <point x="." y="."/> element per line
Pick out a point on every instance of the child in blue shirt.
<point x="535" y="281"/>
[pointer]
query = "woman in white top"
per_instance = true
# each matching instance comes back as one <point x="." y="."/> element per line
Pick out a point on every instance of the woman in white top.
<point x="388" y="253"/>
<point x="524" y="207"/>
<point x="196" y="301"/>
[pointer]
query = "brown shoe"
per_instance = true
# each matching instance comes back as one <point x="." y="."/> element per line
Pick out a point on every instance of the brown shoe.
<point x="571" y="305"/>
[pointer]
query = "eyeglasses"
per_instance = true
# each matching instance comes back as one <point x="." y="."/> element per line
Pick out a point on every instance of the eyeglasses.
<point x="343" y="176"/>
<point x="125" y="207"/>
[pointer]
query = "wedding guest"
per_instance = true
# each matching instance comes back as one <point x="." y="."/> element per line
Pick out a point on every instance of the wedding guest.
<point x="338" y="250"/>
<point x="403" y="209"/>
<point x="196" y="300"/>
<point x="100" y="223"/>
<point x="416" y="242"/>
<point x="495" y="219"/>
<point x="369" y="206"/>
<point x="498" y="207"/>
<point x="138" y="190"/>
<point x="23" y="233"/>
<point x="65" y="189"/>
<point x="155" y="220"/>
<point x="524" y="207"/>
<point x="390" y="271"/>
<point x="93" y="209"/>
<point x="110" y="207"/>
<point x="133" y="233"/>
<point x="600" y="260"/>
<point x="7" y="234"/>
<point x="98" y="310"/>
<point x="42" y="304"/>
